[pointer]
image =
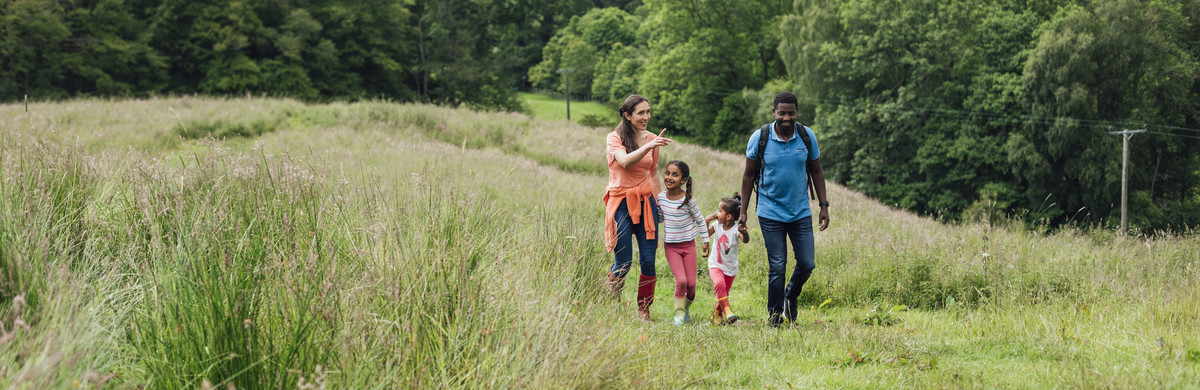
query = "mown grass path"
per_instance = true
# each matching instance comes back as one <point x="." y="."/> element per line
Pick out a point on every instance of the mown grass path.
<point x="550" y="109"/>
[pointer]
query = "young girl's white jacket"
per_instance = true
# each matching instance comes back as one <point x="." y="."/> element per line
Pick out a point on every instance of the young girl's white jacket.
<point x="724" y="253"/>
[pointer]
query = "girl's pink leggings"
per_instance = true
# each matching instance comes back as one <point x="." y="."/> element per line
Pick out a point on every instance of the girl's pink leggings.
<point x="721" y="283"/>
<point x="682" y="258"/>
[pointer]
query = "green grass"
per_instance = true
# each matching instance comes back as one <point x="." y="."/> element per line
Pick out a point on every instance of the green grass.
<point x="376" y="245"/>
<point x="546" y="108"/>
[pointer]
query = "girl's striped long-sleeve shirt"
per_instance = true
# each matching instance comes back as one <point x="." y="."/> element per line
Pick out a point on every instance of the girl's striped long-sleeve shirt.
<point x="681" y="224"/>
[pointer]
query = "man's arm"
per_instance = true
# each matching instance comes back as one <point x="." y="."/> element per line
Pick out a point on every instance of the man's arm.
<point x="818" y="180"/>
<point x="748" y="186"/>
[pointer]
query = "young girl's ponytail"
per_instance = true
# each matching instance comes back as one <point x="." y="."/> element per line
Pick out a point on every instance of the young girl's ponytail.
<point x="687" y="197"/>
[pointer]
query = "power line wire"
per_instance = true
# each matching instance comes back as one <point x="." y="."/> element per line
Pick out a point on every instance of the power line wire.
<point x="950" y="113"/>
<point x="1175" y="128"/>
<point x="964" y="114"/>
<point x="1173" y="135"/>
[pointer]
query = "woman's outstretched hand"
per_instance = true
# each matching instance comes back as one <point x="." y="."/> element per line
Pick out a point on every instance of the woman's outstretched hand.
<point x="659" y="140"/>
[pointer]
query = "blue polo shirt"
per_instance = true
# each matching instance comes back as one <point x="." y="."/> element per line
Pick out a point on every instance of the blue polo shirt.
<point x="783" y="189"/>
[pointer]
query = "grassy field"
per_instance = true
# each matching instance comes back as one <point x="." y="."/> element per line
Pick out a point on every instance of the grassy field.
<point x="550" y="109"/>
<point x="182" y="242"/>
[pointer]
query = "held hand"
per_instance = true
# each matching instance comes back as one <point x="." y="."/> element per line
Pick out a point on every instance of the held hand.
<point x="742" y="220"/>
<point x="824" y="218"/>
<point x="704" y="251"/>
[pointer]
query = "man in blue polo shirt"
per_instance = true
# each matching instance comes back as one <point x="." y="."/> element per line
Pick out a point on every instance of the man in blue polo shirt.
<point x="783" y="207"/>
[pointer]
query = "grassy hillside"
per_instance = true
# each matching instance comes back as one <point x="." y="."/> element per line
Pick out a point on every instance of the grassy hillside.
<point x="375" y="245"/>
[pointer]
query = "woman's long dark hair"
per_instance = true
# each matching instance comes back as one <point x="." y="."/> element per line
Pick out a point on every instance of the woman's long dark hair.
<point x="625" y="129"/>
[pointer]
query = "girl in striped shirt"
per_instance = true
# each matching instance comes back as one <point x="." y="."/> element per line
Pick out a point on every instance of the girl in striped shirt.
<point x="682" y="222"/>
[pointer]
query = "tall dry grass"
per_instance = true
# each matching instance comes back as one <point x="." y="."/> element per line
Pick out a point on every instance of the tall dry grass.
<point x="381" y="245"/>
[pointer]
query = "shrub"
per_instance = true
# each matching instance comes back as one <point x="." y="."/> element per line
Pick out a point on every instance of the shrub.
<point x="593" y="120"/>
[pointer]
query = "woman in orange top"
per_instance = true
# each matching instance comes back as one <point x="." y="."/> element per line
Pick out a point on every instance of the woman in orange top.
<point x="630" y="209"/>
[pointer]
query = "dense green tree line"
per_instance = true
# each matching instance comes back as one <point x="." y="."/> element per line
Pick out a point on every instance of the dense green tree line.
<point x="692" y="58"/>
<point x="951" y="108"/>
<point x="447" y="51"/>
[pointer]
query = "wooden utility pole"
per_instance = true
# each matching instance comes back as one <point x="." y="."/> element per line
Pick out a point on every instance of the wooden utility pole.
<point x="1127" y="134"/>
<point x="567" y="74"/>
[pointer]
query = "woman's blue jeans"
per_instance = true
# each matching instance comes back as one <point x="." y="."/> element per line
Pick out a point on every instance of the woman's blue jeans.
<point x="626" y="231"/>
<point x="781" y="301"/>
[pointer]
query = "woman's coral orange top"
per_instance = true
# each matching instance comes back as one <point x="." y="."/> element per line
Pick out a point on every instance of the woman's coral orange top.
<point x="635" y="185"/>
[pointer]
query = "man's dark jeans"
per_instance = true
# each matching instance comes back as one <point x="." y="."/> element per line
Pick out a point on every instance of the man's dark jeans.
<point x="781" y="301"/>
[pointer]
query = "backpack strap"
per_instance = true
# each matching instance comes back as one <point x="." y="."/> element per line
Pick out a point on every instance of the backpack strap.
<point x="812" y="193"/>
<point x="763" y="135"/>
<point x="804" y="137"/>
